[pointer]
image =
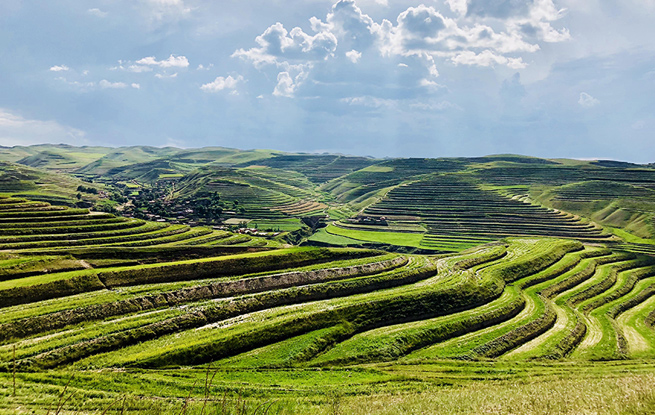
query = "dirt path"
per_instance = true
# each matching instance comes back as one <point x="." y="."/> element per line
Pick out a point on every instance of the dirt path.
<point x="118" y="320"/>
<point x="560" y="324"/>
<point x="636" y="341"/>
<point x="594" y="333"/>
<point x="35" y="340"/>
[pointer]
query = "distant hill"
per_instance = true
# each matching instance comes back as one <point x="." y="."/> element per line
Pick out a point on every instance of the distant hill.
<point x="276" y="185"/>
<point x="35" y="184"/>
<point x="318" y="168"/>
<point x="61" y="157"/>
<point x="126" y="156"/>
<point x="259" y="191"/>
<point x="222" y="156"/>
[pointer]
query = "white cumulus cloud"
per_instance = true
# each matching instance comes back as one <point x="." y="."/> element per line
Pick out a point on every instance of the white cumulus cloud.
<point x="165" y="10"/>
<point x="92" y="86"/>
<point x="105" y="84"/>
<point x="59" y="68"/>
<point x="354" y="56"/>
<point x="165" y="76"/>
<point x="285" y="86"/>
<point x="139" y="68"/>
<point x="486" y="58"/>
<point x="171" y="62"/>
<point x="97" y="12"/>
<point x="276" y="42"/>
<point x="222" y="83"/>
<point x="458" y="6"/>
<point x="474" y="33"/>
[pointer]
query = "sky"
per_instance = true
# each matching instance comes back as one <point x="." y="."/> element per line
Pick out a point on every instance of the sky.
<point x="381" y="78"/>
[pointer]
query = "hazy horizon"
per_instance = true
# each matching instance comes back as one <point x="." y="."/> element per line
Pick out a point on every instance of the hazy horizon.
<point x="318" y="153"/>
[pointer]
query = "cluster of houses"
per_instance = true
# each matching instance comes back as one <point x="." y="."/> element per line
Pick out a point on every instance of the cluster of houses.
<point x="160" y="210"/>
<point x="257" y="232"/>
<point x="367" y="220"/>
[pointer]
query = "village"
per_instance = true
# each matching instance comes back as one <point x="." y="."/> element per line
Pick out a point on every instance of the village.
<point x="155" y="204"/>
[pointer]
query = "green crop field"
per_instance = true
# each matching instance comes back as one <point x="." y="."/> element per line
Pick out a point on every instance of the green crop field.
<point x="402" y="239"/>
<point x="504" y="284"/>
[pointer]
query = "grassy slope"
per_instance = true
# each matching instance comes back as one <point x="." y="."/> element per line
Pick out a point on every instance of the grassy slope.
<point x="616" y="207"/>
<point x="440" y="387"/>
<point x="16" y="179"/>
<point x="125" y="156"/>
<point x="391" y="238"/>
<point x="53" y="156"/>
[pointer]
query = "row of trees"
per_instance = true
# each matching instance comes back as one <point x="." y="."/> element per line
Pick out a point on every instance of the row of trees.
<point x="85" y="189"/>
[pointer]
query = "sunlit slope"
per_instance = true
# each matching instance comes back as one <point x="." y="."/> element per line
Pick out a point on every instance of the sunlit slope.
<point x="35" y="184"/>
<point x="223" y="156"/>
<point x="526" y="299"/>
<point x="610" y="193"/>
<point x="450" y="205"/>
<point x="126" y="156"/>
<point x="148" y="172"/>
<point x="256" y="192"/>
<point x="33" y="225"/>
<point x="317" y="168"/>
<point x="60" y="157"/>
<point x="148" y="163"/>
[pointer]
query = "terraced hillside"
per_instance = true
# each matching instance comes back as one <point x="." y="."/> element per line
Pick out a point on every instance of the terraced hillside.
<point x="29" y="225"/>
<point x="258" y="192"/>
<point x="615" y="204"/>
<point x="272" y="185"/>
<point x="457" y="210"/>
<point x="56" y="188"/>
<point x="365" y="183"/>
<point x="524" y="299"/>
<point x="613" y="194"/>
<point x="561" y="174"/>
<point x="317" y="168"/>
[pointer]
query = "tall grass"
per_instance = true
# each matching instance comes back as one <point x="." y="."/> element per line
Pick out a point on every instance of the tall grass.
<point x="424" y="393"/>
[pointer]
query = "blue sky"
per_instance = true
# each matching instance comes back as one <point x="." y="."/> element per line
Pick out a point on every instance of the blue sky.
<point x="549" y="78"/>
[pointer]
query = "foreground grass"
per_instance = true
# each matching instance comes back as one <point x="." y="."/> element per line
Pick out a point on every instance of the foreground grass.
<point x="439" y="387"/>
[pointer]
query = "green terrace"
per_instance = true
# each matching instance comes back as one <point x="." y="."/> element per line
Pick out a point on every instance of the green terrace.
<point x="314" y="307"/>
<point x="451" y="206"/>
<point x="29" y="225"/>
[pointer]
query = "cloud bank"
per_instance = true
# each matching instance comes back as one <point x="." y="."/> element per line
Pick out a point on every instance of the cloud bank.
<point x="478" y="33"/>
